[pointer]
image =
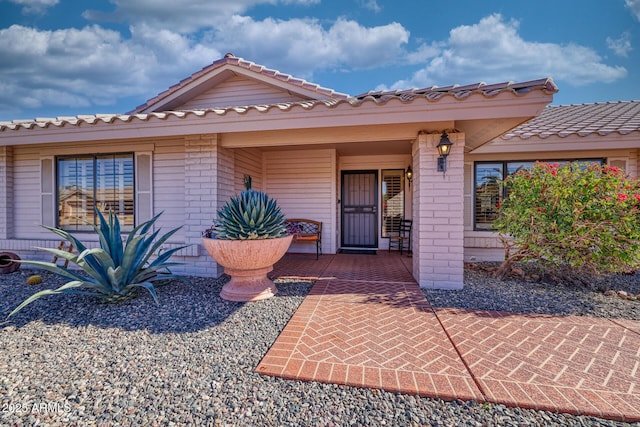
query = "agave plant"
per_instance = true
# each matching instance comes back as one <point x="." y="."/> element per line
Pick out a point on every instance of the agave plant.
<point x="248" y="216"/>
<point x="115" y="270"/>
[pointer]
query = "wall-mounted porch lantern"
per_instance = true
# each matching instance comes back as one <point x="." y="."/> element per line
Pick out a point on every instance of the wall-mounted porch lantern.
<point x="444" y="148"/>
<point x="409" y="174"/>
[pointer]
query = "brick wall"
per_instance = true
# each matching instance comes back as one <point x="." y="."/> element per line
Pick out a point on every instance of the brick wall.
<point x="208" y="184"/>
<point x="438" y="244"/>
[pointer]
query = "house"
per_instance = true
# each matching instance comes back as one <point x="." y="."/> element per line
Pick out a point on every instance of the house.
<point x="323" y="155"/>
<point x="602" y="132"/>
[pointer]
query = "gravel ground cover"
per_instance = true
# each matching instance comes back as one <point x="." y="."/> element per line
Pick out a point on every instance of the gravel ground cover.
<point x="67" y="360"/>
<point x="483" y="292"/>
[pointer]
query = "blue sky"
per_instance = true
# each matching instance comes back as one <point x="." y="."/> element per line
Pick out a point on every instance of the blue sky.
<point x="74" y="57"/>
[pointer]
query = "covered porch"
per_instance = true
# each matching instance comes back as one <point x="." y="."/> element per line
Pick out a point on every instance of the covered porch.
<point x="325" y="156"/>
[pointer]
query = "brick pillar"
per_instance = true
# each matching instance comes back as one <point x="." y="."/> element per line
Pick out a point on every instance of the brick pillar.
<point x="438" y="209"/>
<point x="208" y="184"/>
<point x="6" y="193"/>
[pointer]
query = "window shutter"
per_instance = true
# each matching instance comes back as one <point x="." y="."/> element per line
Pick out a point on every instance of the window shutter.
<point x="468" y="195"/>
<point x="620" y="163"/>
<point x="47" y="192"/>
<point x="144" y="187"/>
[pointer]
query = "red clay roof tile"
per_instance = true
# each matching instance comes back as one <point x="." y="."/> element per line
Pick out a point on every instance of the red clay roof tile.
<point x="431" y="94"/>
<point x="603" y="119"/>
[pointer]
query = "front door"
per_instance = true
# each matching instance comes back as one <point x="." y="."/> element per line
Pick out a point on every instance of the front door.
<point x="359" y="209"/>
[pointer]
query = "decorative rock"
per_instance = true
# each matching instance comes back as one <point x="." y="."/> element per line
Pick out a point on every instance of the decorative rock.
<point x="158" y="364"/>
<point x="34" y="280"/>
<point x="517" y="271"/>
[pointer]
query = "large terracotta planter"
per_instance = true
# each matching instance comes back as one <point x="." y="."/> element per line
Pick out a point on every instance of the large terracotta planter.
<point x="247" y="262"/>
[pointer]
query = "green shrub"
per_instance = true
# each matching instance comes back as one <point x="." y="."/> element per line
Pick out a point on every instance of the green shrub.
<point x="114" y="271"/>
<point x="249" y="215"/>
<point x="572" y="219"/>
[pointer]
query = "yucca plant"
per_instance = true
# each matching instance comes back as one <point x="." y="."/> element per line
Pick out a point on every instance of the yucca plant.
<point x="248" y="216"/>
<point x="115" y="270"/>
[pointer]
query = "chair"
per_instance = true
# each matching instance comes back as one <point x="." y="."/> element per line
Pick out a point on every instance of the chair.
<point x="403" y="237"/>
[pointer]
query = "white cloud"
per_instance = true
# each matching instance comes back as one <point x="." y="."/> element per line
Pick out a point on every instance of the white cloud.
<point x="371" y="5"/>
<point x="35" y="7"/>
<point x="424" y="53"/>
<point x="91" y="66"/>
<point x="183" y="17"/>
<point x="622" y="45"/>
<point x="302" y="46"/>
<point x="634" y="5"/>
<point x="493" y="51"/>
<point x="94" y="66"/>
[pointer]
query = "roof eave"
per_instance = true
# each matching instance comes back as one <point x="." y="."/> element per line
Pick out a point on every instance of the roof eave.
<point x="536" y="143"/>
<point x="296" y="116"/>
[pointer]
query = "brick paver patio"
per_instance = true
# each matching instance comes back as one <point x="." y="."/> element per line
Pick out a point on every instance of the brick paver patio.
<point x="366" y="323"/>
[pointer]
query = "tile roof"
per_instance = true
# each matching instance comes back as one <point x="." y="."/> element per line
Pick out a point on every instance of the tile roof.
<point x="230" y="59"/>
<point x="431" y="94"/>
<point x="622" y="117"/>
<point x="434" y="93"/>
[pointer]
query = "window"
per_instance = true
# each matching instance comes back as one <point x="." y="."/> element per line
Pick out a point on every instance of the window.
<point x="392" y="201"/>
<point x="488" y="191"/>
<point x="94" y="181"/>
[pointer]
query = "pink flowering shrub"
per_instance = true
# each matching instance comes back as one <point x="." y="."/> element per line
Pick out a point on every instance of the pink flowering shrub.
<point x="572" y="219"/>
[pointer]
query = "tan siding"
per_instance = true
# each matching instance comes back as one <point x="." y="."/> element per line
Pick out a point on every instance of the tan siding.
<point x="481" y="239"/>
<point x="26" y="195"/>
<point x="303" y="183"/>
<point x="168" y="186"/>
<point x="629" y="163"/>
<point x="398" y="161"/>
<point x="551" y="155"/>
<point x="248" y="162"/>
<point x="238" y="91"/>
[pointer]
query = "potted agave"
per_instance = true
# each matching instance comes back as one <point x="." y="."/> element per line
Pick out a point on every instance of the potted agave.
<point x="248" y="236"/>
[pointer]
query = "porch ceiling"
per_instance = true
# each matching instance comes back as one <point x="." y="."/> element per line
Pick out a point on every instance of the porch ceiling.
<point x="370" y="148"/>
<point x="373" y="139"/>
<point x="479" y="132"/>
<point x="383" y="139"/>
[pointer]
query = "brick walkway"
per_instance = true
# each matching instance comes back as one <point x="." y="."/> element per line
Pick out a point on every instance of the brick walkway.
<point x="366" y="323"/>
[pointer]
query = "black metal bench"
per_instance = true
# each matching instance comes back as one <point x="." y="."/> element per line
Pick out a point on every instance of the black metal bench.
<point x="306" y="230"/>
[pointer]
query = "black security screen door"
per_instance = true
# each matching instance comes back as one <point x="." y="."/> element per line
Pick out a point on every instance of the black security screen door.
<point x="359" y="209"/>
